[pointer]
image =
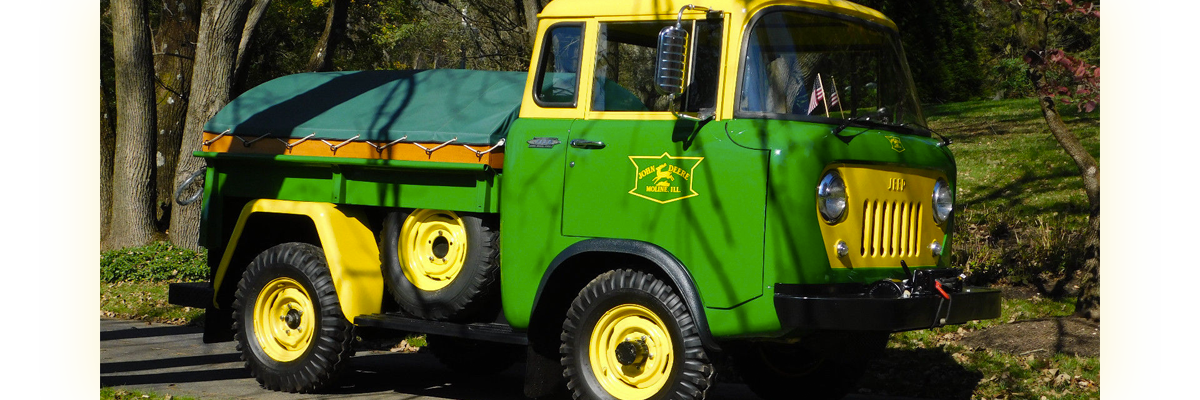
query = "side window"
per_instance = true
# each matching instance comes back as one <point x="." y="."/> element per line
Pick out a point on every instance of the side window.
<point x="558" y="70"/>
<point x="624" y="79"/>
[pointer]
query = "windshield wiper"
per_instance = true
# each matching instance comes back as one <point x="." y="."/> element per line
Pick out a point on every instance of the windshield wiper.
<point x="876" y="121"/>
<point x="862" y="121"/>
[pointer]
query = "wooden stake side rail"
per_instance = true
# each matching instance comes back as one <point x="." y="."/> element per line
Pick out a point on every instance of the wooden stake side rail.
<point x="407" y="151"/>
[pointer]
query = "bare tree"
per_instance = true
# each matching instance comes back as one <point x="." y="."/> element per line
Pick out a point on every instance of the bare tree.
<point x="132" y="222"/>
<point x="1058" y="76"/>
<point x="222" y="23"/>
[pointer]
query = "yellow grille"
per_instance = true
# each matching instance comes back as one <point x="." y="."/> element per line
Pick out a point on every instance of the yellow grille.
<point x="891" y="228"/>
<point x="888" y="219"/>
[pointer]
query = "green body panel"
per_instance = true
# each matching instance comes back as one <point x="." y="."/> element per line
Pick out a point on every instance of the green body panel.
<point x="800" y="152"/>
<point x="712" y="223"/>
<point x="379" y="183"/>
<point x="717" y="233"/>
<point x="531" y="213"/>
<point x="750" y="223"/>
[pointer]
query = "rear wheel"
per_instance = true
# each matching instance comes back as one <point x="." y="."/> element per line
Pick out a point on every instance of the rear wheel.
<point x="439" y="265"/>
<point x="288" y="321"/>
<point x="629" y="336"/>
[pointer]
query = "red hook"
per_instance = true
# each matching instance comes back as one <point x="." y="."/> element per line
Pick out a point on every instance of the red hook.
<point x="938" y="285"/>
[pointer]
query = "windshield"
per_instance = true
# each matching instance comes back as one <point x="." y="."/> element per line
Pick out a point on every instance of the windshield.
<point x="826" y="68"/>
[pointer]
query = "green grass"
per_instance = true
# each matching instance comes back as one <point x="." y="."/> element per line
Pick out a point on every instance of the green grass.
<point x="951" y="370"/>
<point x="134" y="282"/>
<point x="1021" y="208"/>
<point x="933" y="364"/>
<point x="145" y="301"/>
<point x="108" y="393"/>
<point x="1007" y="158"/>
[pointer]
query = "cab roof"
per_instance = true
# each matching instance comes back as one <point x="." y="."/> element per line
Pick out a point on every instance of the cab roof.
<point x="592" y="8"/>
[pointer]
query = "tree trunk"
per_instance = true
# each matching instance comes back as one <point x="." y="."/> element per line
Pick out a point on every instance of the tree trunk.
<point x="221" y="25"/>
<point x="532" y="7"/>
<point x="108" y="143"/>
<point x="239" y="71"/>
<point x="132" y="221"/>
<point x="1088" y="304"/>
<point x="1088" y="301"/>
<point x="174" y="49"/>
<point x="335" y="30"/>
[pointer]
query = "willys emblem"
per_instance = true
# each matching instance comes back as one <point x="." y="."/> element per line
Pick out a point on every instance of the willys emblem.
<point x="664" y="178"/>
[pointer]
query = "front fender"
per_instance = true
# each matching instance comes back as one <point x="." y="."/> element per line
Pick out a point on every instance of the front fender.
<point x="666" y="263"/>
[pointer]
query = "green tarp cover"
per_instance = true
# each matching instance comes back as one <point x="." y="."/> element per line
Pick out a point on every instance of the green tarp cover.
<point x="476" y="107"/>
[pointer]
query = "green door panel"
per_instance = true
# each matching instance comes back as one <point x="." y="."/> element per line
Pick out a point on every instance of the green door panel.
<point x="695" y="194"/>
<point x="531" y="211"/>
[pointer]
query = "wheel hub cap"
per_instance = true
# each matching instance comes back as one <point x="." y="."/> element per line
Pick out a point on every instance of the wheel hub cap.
<point x="284" y="319"/>
<point x="433" y="248"/>
<point x="631" y="353"/>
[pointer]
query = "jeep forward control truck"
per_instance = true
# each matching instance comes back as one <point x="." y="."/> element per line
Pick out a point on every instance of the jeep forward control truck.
<point x="673" y="190"/>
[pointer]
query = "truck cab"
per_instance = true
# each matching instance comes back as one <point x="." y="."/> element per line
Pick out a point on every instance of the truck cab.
<point x="678" y="184"/>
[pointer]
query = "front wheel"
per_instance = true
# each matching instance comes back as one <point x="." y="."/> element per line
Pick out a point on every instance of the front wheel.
<point x="629" y="336"/>
<point x="288" y="321"/>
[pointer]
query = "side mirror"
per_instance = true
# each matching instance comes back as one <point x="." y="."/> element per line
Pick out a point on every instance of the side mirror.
<point x="671" y="62"/>
<point x="670" y="67"/>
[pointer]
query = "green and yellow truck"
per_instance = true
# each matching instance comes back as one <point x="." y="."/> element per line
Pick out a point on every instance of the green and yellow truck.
<point x="673" y="189"/>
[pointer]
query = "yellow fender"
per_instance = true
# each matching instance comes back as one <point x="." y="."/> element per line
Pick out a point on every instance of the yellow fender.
<point x="349" y="245"/>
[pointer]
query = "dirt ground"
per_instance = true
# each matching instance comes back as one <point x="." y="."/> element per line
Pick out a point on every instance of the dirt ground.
<point x="1039" y="337"/>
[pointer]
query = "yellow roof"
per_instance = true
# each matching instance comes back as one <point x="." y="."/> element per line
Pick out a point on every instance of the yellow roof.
<point x="591" y="8"/>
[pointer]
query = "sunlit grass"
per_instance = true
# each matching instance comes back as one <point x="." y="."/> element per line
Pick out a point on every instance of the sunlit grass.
<point x="144" y="301"/>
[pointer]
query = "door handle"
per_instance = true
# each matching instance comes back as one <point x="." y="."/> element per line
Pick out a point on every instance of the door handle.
<point x="586" y="144"/>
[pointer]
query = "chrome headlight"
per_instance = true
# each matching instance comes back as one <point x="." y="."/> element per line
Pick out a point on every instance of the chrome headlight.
<point x="943" y="201"/>
<point x="831" y="197"/>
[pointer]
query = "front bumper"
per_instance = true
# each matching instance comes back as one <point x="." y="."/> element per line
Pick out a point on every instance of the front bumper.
<point x="858" y="312"/>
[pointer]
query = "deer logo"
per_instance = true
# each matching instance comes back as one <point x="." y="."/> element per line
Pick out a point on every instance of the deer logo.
<point x="661" y="177"/>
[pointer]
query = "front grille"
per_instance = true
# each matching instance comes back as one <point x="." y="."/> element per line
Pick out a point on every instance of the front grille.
<point x="891" y="228"/>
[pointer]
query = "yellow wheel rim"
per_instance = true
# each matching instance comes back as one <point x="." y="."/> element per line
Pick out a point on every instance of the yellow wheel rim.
<point x="284" y="319"/>
<point x="637" y="380"/>
<point x="433" y="248"/>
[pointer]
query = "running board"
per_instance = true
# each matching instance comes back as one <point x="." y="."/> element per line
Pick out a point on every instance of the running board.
<point x="488" y="332"/>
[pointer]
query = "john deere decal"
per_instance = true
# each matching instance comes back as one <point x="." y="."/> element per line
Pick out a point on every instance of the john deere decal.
<point x="663" y="179"/>
<point x="896" y="145"/>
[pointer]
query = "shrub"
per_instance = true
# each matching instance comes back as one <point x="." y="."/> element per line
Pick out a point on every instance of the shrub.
<point x="1000" y="247"/>
<point x="156" y="262"/>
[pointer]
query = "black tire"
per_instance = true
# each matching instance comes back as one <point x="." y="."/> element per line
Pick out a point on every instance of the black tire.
<point x="778" y="371"/>
<point x="280" y="278"/>
<point x="464" y="294"/>
<point x="626" y="298"/>
<point x="473" y="357"/>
